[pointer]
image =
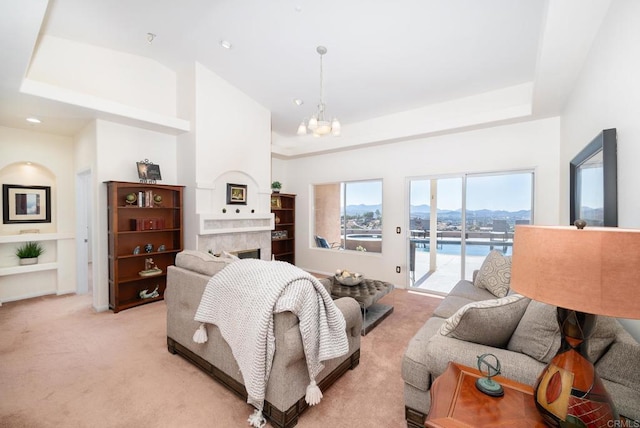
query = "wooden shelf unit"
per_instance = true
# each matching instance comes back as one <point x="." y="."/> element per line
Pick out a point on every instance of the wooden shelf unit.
<point x="166" y="218"/>
<point x="283" y="206"/>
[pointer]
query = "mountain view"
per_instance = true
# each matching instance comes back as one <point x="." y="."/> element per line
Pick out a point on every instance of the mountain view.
<point x="423" y="211"/>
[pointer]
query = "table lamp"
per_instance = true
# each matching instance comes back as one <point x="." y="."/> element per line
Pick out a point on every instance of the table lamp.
<point x="584" y="272"/>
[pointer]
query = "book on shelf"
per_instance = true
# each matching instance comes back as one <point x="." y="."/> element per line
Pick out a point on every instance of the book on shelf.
<point x="145" y="199"/>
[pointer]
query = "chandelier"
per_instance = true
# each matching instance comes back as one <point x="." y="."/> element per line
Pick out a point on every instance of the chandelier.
<point x="318" y="125"/>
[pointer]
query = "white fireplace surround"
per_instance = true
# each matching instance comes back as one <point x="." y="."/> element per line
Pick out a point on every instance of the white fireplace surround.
<point x="219" y="233"/>
<point x="225" y="227"/>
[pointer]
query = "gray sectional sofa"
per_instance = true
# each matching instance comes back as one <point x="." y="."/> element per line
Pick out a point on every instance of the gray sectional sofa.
<point x="523" y="334"/>
<point x="289" y="377"/>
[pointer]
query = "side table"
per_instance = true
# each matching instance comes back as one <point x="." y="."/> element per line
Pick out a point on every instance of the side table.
<point x="456" y="402"/>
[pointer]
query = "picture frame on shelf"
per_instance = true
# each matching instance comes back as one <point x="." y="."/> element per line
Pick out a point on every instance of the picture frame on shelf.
<point x="277" y="235"/>
<point x="26" y="204"/>
<point x="236" y="194"/>
<point x="148" y="172"/>
<point x="276" y="202"/>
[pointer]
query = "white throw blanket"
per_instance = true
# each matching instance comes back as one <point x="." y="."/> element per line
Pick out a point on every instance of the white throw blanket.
<point x="241" y="300"/>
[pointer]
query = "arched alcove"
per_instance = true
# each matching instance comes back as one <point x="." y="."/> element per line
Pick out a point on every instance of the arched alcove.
<point x="29" y="174"/>
<point x="52" y="274"/>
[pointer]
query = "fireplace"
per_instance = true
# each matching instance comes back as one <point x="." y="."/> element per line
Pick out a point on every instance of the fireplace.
<point x="246" y="237"/>
<point x="248" y="254"/>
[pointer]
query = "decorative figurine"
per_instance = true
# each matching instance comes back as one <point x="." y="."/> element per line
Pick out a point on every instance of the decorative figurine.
<point x="150" y="268"/>
<point x="162" y="247"/>
<point x="488" y="385"/>
<point x="144" y="294"/>
<point x="131" y="198"/>
<point x="148" y="248"/>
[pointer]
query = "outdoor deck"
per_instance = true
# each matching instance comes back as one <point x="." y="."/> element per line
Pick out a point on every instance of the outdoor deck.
<point x="447" y="272"/>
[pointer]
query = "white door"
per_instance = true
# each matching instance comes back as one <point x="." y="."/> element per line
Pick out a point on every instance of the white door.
<point x="83" y="232"/>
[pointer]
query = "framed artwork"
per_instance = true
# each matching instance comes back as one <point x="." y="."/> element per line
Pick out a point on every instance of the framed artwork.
<point x="276" y="202"/>
<point x="26" y="204"/>
<point x="148" y="172"/>
<point x="593" y="182"/>
<point x="237" y="194"/>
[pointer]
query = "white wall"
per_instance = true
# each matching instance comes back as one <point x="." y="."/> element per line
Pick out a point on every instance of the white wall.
<point x="518" y="146"/>
<point x="52" y="165"/>
<point x="230" y="143"/>
<point x="93" y="71"/>
<point x="607" y="95"/>
<point x="118" y="148"/>
<point x="279" y="173"/>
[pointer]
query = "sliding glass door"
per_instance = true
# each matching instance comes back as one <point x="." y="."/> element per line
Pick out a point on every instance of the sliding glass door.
<point x="435" y="230"/>
<point x="455" y="221"/>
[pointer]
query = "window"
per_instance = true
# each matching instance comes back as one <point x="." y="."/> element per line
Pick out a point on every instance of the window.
<point x="348" y="215"/>
<point x="455" y="221"/>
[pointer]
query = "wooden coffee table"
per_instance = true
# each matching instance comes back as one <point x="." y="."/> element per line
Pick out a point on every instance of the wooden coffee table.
<point x="456" y="402"/>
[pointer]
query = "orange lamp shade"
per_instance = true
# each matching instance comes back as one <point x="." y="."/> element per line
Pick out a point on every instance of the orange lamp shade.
<point x="593" y="270"/>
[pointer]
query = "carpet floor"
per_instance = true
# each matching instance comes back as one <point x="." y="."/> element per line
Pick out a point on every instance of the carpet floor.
<point x="64" y="365"/>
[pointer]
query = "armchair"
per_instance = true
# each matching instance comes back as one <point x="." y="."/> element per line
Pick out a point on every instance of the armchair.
<point x="323" y="243"/>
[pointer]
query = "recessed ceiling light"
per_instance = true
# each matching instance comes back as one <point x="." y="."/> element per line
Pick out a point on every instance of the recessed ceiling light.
<point x="298" y="101"/>
<point x="33" y="120"/>
<point x="225" y="44"/>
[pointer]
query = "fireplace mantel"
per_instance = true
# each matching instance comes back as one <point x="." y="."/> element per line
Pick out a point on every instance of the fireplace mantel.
<point x="216" y="224"/>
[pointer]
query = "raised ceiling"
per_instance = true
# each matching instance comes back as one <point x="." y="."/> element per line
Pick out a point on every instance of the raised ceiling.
<point x="384" y="58"/>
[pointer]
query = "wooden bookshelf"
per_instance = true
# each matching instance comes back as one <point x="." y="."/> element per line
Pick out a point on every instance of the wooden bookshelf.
<point x="148" y="228"/>
<point x="283" y="237"/>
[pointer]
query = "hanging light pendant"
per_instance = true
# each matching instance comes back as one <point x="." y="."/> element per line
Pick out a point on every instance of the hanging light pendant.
<point x="318" y="125"/>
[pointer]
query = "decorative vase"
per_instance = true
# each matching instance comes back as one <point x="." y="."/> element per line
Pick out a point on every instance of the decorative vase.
<point x="29" y="261"/>
<point x="569" y="392"/>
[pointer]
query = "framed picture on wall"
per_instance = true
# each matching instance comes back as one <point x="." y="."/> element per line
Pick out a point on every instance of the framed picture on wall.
<point x="26" y="204"/>
<point x="237" y="194"/>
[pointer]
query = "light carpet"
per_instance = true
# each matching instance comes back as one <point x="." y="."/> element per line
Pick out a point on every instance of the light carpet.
<point x="63" y="365"/>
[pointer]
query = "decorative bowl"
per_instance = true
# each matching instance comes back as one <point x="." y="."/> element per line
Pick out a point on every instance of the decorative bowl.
<point x="345" y="277"/>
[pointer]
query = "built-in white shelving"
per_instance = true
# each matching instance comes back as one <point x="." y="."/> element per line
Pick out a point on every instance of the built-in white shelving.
<point x="13" y="270"/>
<point x="26" y="237"/>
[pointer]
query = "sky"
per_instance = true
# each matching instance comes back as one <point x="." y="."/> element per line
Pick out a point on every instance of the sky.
<point x="591" y="183"/>
<point x="510" y="192"/>
<point x="364" y="192"/>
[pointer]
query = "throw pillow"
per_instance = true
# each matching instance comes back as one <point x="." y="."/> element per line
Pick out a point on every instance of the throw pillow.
<point x="488" y="322"/>
<point x="621" y="364"/>
<point x="495" y="274"/>
<point x="538" y="334"/>
<point x="204" y="263"/>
